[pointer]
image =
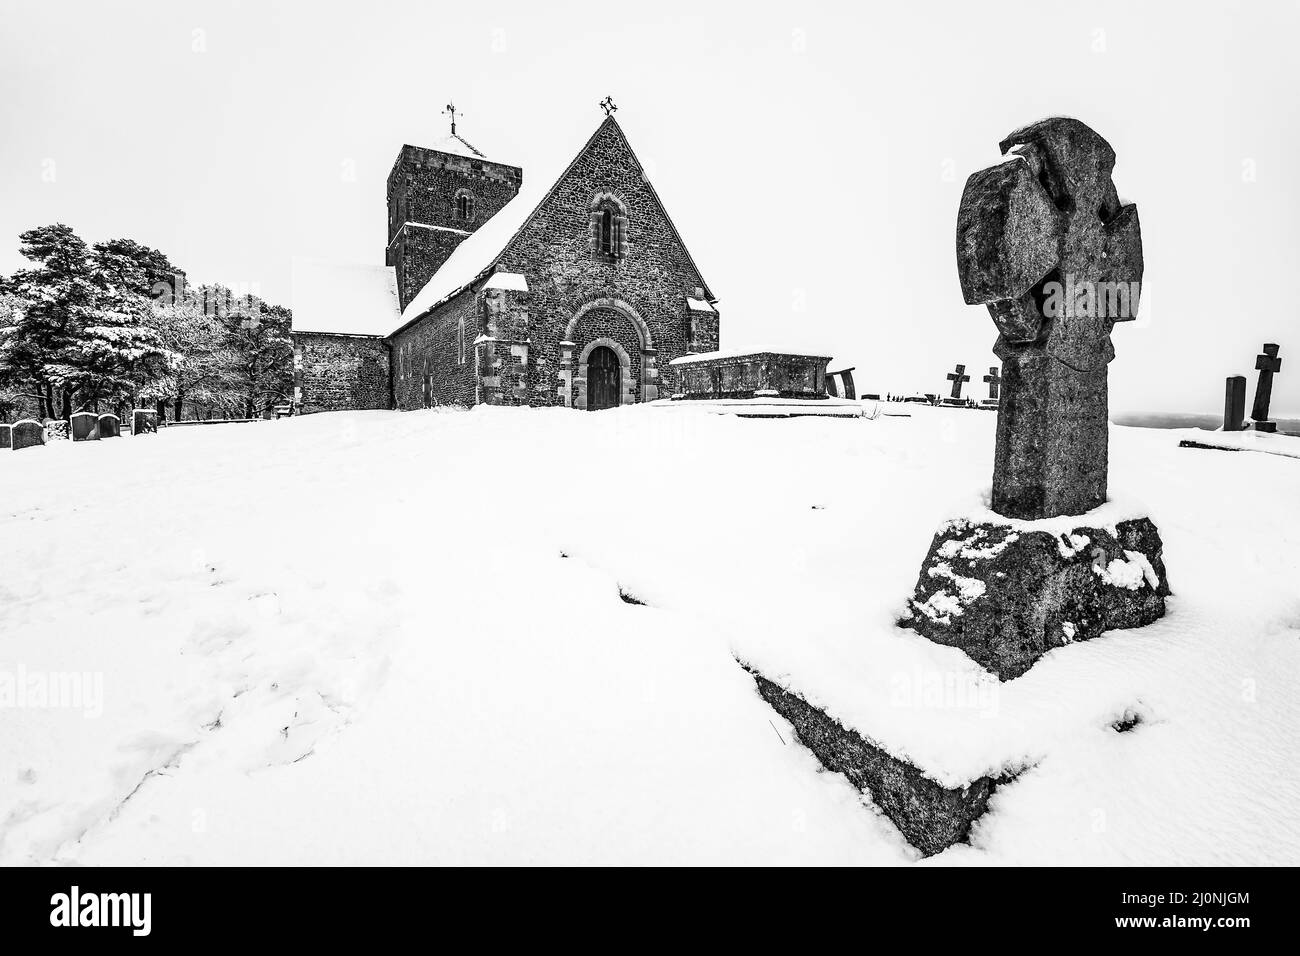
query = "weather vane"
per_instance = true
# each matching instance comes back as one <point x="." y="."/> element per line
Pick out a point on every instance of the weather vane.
<point x="607" y="104"/>
<point x="450" y="110"/>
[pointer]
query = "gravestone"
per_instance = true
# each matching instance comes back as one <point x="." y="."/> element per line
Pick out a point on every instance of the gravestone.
<point x="1234" y="403"/>
<point x="845" y="375"/>
<point x="994" y="380"/>
<point x="1268" y="363"/>
<point x="1044" y="242"/>
<point x="144" y="421"/>
<point x="85" y="426"/>
<point x="27" y="434"/>
<point x="108" y="426"/>
<point x="831" y="388"/>
<point x="6" y="436"/>
<point x="957" y="377"/>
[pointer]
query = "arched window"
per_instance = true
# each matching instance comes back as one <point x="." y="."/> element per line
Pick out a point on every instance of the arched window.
<point x="608" y="228"/>
<point x="460" y="343"/>
<point x="464" y="206"/>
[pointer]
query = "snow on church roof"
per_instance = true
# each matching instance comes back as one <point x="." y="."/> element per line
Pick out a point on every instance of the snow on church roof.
<point x="453" y="143"/>
<point x="344" y="299"/>
<point x="477" y="254"/>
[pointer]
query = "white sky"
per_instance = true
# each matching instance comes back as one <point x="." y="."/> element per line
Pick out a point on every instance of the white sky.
<point x="812" y="154"/>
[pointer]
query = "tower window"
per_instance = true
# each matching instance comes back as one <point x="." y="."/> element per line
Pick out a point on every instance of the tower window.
<point x="460" y="343"/>
<point x="464" y="207"/>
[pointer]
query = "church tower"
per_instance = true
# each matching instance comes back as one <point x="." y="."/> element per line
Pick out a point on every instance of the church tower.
<point x="438" y="195"/>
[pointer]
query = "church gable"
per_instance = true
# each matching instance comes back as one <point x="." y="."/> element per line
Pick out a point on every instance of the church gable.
<point x="605" y="262"/>
<point x="605" y="294"/>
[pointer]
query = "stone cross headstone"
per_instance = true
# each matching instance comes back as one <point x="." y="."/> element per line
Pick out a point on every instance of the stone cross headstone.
<point x="1045" y="243"/>
<point x="108" y="426"/>
<point x="27" y="434"/>
<point x="1268" y="364"/>
<point x="144" y="421"/>
<point x="6" y="436"/>
<point x="85" y="426"/>
<point x="957" y="377"/>
<point x="1234" y="403"/>
<point x="994" y="380"/>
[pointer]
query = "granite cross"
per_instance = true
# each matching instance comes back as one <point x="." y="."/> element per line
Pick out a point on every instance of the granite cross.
<point x="1045" y="243"/>
<point x="1267" y="364"/>
<point x="958" y="376"/>
<point x="994" y="380"/>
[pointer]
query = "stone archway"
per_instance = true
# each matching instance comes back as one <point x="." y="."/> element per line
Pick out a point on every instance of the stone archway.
<point x="637" y="354"/>
<point x="583" y="384"/>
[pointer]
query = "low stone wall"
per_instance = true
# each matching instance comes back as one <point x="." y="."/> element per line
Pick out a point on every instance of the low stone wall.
<point x="752" y="375"/>
<point x="931" y="817"/>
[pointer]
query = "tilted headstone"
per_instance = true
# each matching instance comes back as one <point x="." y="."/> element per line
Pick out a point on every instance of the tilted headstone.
<point x="994" y="380"/>
<point x="1045" y="243"/>
<point x="831" y="388"/>
<point x="1234" y="403"/>
<point x="85" y="426"/>
<point x="109" y="427"/>
<point x="6" y="437"/>
<point x="27" y="434"/>
<point x="1268" y="364"/>
<point x="957" y="377"/>
<point x="144" y="421"/>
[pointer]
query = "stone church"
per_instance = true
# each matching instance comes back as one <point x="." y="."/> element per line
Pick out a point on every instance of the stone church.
<point x="577" y="291"/>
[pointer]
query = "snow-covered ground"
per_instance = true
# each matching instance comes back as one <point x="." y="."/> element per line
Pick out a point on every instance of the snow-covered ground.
<point x="398" y="638"/>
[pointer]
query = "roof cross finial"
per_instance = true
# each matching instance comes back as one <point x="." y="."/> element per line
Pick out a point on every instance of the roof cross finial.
<point x="607" y="104"/>
<point x="450" y="110"/>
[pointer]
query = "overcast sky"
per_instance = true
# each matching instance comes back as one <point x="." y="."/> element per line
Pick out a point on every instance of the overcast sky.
<point x="812" y="154"/>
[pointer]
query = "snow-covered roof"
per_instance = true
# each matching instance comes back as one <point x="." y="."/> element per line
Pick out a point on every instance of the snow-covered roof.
<point x="698" y="305"/>
<point x="745" y="353"/>
<point x="344" y="299"/>
<point x="509" y="281"/>
<point x="477" y="254"/>
<point x="457" y="146"/>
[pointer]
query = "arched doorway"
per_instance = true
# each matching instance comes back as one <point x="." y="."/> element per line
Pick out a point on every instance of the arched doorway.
<point x="603" y="378"/>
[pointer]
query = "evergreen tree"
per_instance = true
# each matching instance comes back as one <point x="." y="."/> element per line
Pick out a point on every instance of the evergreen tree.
<point x="57" y="299"/>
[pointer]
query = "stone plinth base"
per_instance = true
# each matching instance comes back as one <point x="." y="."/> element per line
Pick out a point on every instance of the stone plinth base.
<point x="930" y="817"/>
<point x="1006" y="594"/>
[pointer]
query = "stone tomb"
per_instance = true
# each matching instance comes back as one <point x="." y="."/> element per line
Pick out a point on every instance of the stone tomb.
<point x="85" y="426"/>
<point x="715" y="375"/>
<point x="108" y="426"/>
<point x="27" y="434"/>
<point x="144" y="421"/>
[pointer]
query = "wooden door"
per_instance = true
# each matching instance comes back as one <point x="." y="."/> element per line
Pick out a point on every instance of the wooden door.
<point x="602" y="378"/>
